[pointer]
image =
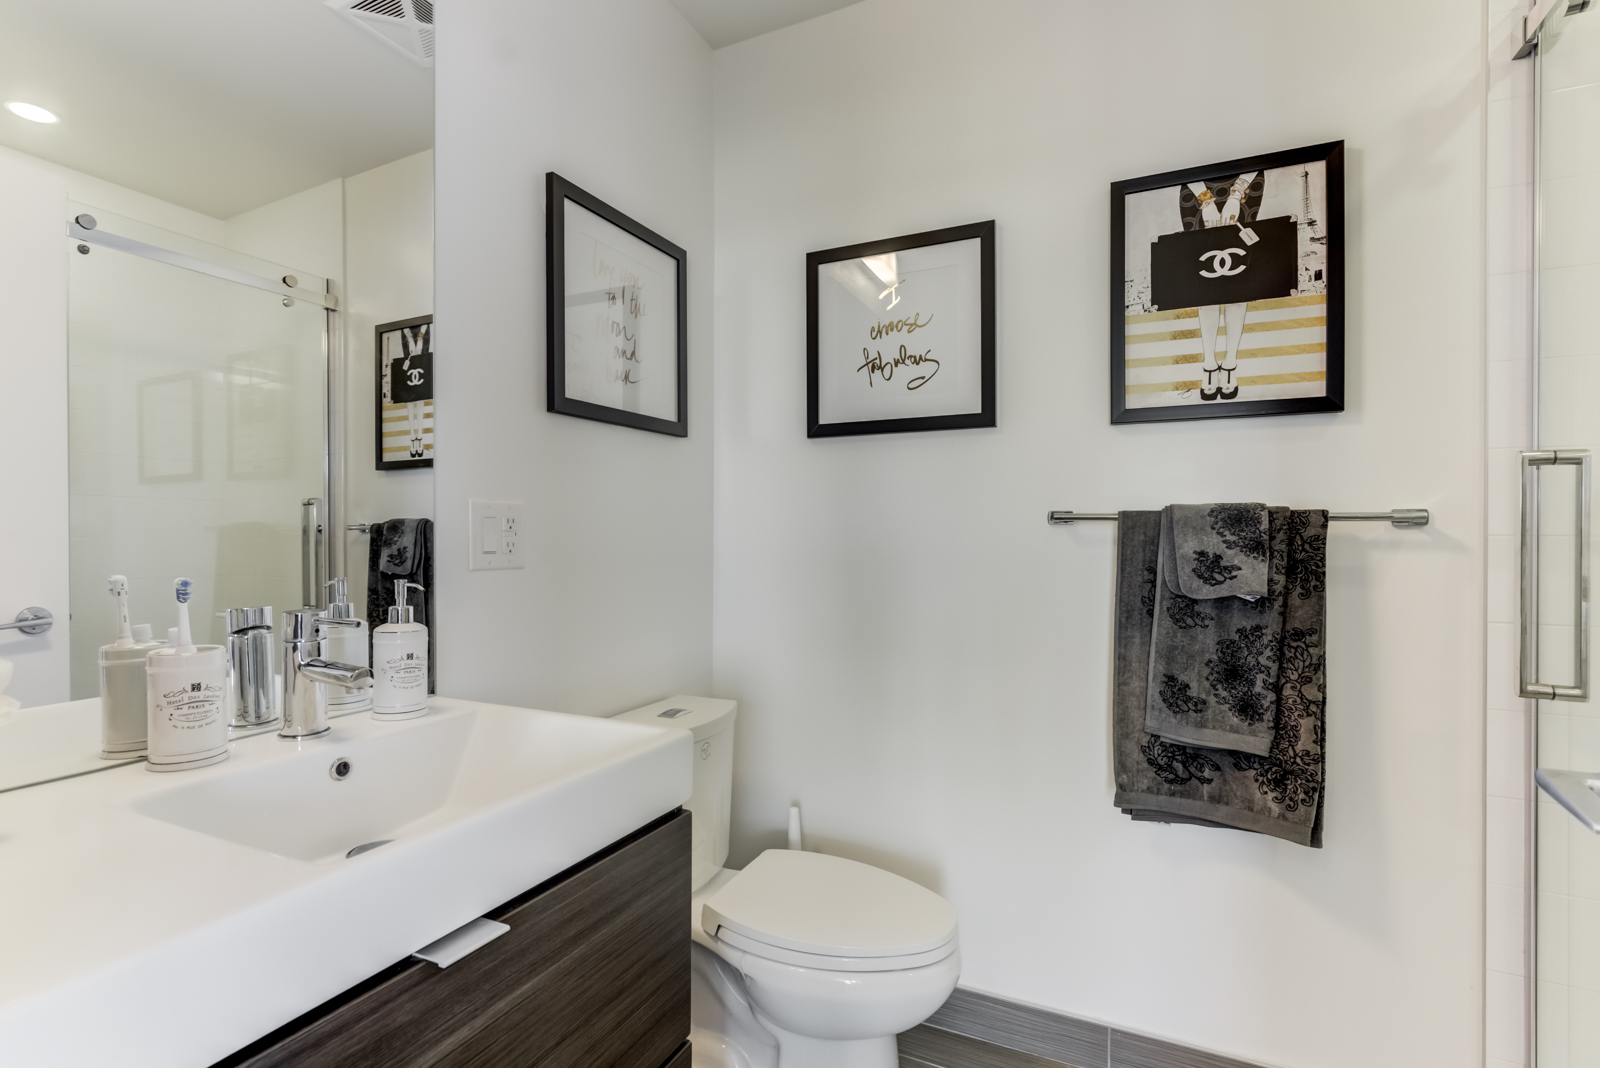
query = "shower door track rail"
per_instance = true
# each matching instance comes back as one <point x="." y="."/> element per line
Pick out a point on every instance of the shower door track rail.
<point x="195" y="263"/>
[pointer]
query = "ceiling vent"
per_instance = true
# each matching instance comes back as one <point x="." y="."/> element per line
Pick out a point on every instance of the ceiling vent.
<point x="404" y="25"/>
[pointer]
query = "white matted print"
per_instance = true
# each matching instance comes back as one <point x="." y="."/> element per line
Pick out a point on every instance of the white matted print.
<point x="617" y="342"/>
<point x="901" y="334"/>
<point x="622" y="318"/>
<point x="1231" y="289"/>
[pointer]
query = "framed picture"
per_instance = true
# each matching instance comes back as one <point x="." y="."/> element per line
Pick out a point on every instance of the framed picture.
<point x="900" y="334"/>
<point x="1227" y="289"/>
<point x="404" y="395"/>
<point x="169" y="428"/>
<point x="617" y="315"/>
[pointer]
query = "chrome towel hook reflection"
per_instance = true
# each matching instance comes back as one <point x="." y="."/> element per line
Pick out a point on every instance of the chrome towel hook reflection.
<point x="31" y="621"/>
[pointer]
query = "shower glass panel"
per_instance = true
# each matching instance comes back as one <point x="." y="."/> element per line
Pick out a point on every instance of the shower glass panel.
<point x="1567" y="866"/>
<point x="196" y="429"/>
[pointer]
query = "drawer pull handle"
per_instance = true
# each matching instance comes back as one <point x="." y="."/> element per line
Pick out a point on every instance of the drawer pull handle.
<point x="463" y="940"/>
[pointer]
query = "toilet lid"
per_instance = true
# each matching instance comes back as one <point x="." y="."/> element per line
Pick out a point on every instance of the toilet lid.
<point x="831" y="906"/>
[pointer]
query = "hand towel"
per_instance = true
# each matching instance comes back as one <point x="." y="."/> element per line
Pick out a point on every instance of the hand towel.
<point x="1279" y="794"/>
<point x="1214" y="663"/>
<point x="402" y="549"/>
<point x="1216" y="550"/>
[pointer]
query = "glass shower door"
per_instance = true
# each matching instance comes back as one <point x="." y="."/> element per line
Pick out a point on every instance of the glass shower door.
<point x="197" y="409"/>
<point x="1567" y="863"/>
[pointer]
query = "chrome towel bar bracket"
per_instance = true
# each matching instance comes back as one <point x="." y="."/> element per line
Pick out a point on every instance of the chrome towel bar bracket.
<point x="1400" y="517"/>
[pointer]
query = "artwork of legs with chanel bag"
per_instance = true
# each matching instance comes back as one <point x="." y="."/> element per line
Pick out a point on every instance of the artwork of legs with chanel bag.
<point x="1228" y="294"/>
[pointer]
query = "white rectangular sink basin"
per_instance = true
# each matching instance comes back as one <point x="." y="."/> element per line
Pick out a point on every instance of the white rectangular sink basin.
<point x="395" y="784"/>
<point x="147" y="902"/>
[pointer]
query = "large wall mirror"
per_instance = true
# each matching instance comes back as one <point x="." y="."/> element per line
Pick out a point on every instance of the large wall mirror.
<point x="248" y="196"/>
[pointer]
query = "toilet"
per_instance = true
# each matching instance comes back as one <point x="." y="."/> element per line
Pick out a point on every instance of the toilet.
<point x="800" y="960"/>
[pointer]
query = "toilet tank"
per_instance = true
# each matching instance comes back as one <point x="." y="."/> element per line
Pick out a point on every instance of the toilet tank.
<point x="710" y="720"/>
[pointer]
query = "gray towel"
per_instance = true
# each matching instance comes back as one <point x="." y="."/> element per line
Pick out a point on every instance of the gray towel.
<point x="1216" y="550"/>
<point x="1279" y="794"/>
<point x="1214" y="663"/>
<point x="402" y="549"/>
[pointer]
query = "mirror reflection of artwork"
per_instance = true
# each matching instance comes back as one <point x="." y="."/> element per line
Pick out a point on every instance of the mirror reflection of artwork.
<point x="900" y="334"/>
<point x="169" y="428"/>
<point x="404" y="412"/>
<point x="260" y="393"/>
<point x="618" y="342"/>
<point x="1231" y="300"/>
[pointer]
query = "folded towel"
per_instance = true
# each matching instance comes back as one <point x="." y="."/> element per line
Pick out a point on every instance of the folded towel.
<point x="1279" y="794"/>
<point x="1214" y="663"/>
<point x="402" y="549"/>
<point x="1216" y="550"/>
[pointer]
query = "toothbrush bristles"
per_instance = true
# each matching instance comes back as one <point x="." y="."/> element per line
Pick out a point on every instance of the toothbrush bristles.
<point x="183" y="587"/>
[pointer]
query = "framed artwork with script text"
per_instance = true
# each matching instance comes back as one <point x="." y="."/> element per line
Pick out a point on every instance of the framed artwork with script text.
<point x="1227" y="289"/>
<point x="617" y="315"/>
<point x="900" y="334"/>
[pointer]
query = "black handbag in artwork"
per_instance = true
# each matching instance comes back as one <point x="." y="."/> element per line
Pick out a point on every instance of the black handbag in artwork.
<point x="1221" y="265"/>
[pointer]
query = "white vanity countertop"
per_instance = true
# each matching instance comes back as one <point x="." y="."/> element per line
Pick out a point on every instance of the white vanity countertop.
<point x="127" y="939"/>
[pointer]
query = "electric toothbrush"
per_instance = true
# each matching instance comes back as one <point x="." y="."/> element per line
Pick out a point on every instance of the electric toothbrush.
<point x="119" y="590"/>
<point x="184" y="589"/>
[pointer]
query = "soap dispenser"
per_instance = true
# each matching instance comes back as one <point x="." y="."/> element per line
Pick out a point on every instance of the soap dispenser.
<point x="400" y="661"/>
<point x="348" y="645"/>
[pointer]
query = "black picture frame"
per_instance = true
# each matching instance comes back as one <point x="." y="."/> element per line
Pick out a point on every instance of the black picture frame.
<point x="557" y="191"/>
<point x="379" y="463"/>
<point x="984" y="232"/>
<point x="1331" y="155"/>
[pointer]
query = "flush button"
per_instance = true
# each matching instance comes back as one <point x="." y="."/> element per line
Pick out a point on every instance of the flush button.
<point x="671" y="713"/>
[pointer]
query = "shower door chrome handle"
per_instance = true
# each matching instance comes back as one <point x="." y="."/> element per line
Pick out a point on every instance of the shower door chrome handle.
<point x="1529" y="684"/>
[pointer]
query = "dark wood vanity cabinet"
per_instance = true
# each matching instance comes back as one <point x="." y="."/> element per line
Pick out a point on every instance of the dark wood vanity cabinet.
<point x="594" y="973"/>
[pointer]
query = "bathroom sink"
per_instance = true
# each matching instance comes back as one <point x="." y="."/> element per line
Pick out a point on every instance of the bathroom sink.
<point x="339" y="794"/>
<point x="294" y="870"/>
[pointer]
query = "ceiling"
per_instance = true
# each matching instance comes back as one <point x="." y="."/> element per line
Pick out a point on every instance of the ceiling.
<point x="216" y="105"/>
<point x="726" y="22"/>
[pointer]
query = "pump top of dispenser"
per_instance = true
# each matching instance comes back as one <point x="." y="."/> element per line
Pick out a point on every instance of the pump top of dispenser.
<point x="339" y="606"/>
<point x="400" y="612"/>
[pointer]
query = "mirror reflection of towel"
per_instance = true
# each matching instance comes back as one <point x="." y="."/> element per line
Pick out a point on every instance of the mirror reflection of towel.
<point x="402" y="549"/>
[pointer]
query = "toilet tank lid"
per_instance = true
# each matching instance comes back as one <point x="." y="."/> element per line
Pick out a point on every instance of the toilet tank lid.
<point x="702" y="716"/>
<point x="816" y="903"/>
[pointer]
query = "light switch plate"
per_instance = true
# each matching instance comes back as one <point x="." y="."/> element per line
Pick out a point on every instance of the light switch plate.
<point x="496" y="535"/>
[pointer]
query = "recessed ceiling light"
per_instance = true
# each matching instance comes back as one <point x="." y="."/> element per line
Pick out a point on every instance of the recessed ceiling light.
<point x="31" y="112"/>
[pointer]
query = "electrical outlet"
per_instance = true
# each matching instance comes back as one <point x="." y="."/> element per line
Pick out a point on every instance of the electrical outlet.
<point x="495" y="536"/>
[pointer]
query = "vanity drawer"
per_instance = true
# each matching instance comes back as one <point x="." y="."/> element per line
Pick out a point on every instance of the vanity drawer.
<point x="593" y="973"/>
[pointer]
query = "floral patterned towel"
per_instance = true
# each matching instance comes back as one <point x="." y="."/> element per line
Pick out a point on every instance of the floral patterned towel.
<point x="1215" y="550"/>
<point x="1279" y="793"/>
<point x="1214" y="663"/>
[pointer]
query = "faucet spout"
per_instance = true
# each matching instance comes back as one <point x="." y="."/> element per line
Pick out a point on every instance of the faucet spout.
<point x="334" y="673"/>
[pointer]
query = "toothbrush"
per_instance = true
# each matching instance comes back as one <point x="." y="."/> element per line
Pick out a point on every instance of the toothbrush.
<point x="119" y="590"/>
<point x="184" y="589"/>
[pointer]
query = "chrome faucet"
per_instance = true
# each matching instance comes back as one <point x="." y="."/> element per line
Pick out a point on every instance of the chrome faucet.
<point x="306" y="675"/>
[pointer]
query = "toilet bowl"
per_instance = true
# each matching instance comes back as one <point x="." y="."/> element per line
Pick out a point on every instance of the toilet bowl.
<point x="801" y="959"/>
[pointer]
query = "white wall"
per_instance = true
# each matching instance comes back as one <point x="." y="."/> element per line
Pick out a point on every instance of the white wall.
<point x="922" y="662"/>
<point x="304" y="231"/>
<point x="614" y="607"/>
<point x="33" y="408"/>
<point x="388" y="230"/>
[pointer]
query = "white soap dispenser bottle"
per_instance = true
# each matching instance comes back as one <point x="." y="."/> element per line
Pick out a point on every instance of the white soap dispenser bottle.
<point x="400" y="661"/>
<point x="347" y="645"/>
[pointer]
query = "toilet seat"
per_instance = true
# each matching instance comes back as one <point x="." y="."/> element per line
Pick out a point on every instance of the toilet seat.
<point x="819" y="911"/>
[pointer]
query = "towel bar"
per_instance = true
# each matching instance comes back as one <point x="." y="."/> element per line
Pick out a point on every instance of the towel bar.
<point x="1400" y="517"/>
